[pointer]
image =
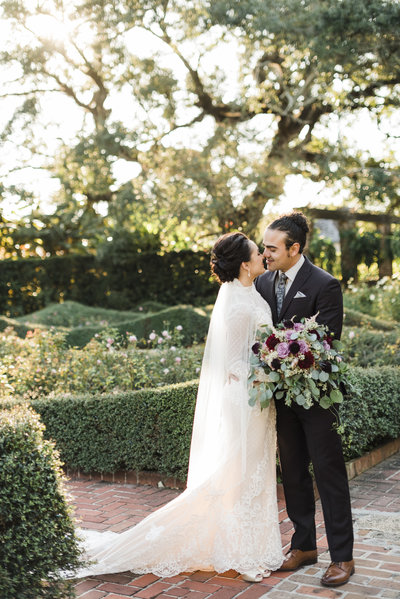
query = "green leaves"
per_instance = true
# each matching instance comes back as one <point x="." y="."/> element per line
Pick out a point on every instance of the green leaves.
<point x="37" y="533"/>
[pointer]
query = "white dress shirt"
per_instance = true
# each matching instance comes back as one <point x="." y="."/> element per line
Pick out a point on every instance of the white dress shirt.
<point x="291" y="273"/>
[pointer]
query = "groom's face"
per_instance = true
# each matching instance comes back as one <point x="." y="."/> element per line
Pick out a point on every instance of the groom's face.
<point x="276" y="254"/>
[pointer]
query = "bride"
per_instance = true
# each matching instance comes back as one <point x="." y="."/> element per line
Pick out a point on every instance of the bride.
<point x="227" y="517"/>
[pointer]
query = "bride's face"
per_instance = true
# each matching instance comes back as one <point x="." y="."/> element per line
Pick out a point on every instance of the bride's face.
<point x="256" y="262"/>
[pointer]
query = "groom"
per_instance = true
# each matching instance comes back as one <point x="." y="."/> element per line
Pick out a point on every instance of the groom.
<point x="295" y="288"/>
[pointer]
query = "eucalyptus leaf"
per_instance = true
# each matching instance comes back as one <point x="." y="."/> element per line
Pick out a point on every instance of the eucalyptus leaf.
<point x="323" y="376"/>
<point x="274" y="376"/>
<point x="336" y="396"/>
<point x="300" y="399"/>
<point x="325" y="402"/>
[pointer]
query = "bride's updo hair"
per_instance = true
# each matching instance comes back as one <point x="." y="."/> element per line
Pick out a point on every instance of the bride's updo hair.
<point x="227" y="255"/>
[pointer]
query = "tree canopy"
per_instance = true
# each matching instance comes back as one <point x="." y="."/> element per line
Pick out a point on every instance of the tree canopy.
<point x="208" y="105"/>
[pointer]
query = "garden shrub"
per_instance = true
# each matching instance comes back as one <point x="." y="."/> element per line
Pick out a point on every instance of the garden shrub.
<point x="37" y="534"/>
<point x="29" y="284"/>
<point x="73" y="314"/>
<point x="151" y="429"/>
<point x="354" y="318"/>
<point x="367" y="347"/>
<point x="194" y="321"/>
<point x="148" y="429"/>
<point x="41" y="364"/>
<point x="19" y="328"/>
<point x="381" y="300"/>
<point x="371" y="413"/>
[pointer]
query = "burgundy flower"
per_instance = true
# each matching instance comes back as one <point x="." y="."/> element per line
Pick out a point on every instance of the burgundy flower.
<point x="255" y="348"/>
<point x="329" y="340"/>
<point x="307" y="362"/>
<point x="271" y="342"/>
<point x="288" y="324"/>
<point x="275" y="364"/>
<point x="294" y="347"/>
<point x="326" y="366"/>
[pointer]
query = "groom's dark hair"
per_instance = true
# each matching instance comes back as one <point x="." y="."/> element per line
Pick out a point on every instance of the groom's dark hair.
<point x="295" y="226"/>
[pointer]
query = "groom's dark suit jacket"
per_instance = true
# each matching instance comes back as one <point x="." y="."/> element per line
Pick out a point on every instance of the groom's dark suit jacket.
<point x="313" y="290"/>
<point x="310" y="434"/>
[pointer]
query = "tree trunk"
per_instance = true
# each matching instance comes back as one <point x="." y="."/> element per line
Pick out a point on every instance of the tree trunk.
<point x="385" y="254"/>
<point x="348" y="262"/>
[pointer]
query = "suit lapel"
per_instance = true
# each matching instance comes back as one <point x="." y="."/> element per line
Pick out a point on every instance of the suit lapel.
<point x="299" y="280"/>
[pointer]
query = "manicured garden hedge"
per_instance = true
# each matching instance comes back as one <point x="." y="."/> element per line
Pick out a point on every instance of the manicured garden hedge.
<point x="354" y="318"/>
<point x="172" y="278"/>
<point x="37" y="534"/>
<point x="193" y="321"/>
<point x="151" y="429"/>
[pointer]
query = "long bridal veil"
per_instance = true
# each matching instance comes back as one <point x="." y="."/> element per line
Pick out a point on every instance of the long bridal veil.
<point x="226" y="353"/>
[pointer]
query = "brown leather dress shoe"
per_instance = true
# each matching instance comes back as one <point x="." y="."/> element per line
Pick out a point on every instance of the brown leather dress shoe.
<point x="338" y="573"/>
<point x="295" y="558"/>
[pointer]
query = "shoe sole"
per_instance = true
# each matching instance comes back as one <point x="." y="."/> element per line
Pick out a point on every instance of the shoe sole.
<point x="309" y="562"/>
<point x="337" y="584"/>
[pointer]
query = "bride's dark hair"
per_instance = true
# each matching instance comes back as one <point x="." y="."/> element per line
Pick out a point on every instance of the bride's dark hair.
<point x="227" y="255"/>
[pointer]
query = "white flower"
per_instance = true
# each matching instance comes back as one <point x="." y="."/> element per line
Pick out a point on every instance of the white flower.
<point x="140" y="308"/>
<point x="372" y="297"/>
<point x="110" y="341"/>
<point x="152" y="336"/>
<point x="179" y="327"/>
<point x="162" y="360"/>
<point x="160" y="340"/>
<point x="166" y="370"/>
<point x="178" y="360"/>
<point x="197" y="370"/>
<point x="351" y="334"/>
<point x="165" y="334"/>
<point x="132" y="338"/>
<point x="172" y="348"/>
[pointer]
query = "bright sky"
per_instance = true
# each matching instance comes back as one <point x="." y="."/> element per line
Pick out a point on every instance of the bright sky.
<point x="64" y="118"/>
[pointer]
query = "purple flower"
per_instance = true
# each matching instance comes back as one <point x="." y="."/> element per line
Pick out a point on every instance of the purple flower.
<point x="298" y="326"/>
<point x="326" y="345"/>
<point x="303" y="346"/>
<point x="283" y="349"/>
<point x="255" y="348"/>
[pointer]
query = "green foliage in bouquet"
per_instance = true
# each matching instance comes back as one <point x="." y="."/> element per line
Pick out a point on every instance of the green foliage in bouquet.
<point x="37" y="535"/>
<point x="297" y="362"/>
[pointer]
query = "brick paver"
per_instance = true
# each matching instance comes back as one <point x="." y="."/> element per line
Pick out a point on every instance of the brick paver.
<point x="376" y="506"/>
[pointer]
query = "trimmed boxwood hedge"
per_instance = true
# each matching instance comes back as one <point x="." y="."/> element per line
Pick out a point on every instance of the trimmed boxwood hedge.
<point x="29" y="284"/>
<point x="354" y="318"/>
<point x="151" y="429"/>
<point x="193" y="320"/>
<point x="37" y="534"/>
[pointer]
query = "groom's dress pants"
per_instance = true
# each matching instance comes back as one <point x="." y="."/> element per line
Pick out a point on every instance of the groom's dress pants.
<point x="305" y="435"/>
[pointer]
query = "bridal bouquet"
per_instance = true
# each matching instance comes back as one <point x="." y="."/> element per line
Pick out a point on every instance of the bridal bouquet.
<point x="298" y="362"/>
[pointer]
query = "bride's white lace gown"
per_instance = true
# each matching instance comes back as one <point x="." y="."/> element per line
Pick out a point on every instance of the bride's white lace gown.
<point x="227" y="518"/>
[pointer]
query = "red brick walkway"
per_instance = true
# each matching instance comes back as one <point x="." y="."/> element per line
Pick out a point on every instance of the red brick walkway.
<point x="376" y="508"/>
